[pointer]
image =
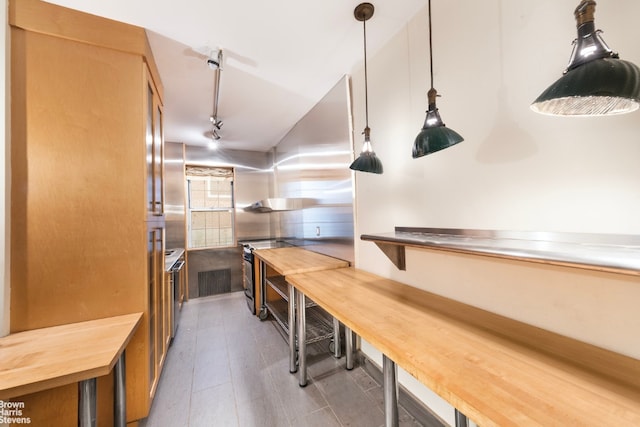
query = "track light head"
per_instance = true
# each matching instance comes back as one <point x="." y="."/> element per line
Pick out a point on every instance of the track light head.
<point x="215" y="122"/>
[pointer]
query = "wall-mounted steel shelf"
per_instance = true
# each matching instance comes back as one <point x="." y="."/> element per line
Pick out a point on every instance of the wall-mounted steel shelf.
<point x="615" y="253"/>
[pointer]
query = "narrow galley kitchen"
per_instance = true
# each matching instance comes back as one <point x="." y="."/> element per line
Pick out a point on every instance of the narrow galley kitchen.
<point x="227" y="368"/>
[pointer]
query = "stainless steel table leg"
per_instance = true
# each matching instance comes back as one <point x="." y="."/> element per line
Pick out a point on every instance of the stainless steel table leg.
<point x="337" y="347"/>
<point x="302" y="339"/>
<point x="119" y="393"/>
<point x="262" y="315"/>
<point x="348" y="347"/>
<point x="461" y="419"/>
<point x="291" y="318"/>
<point x="390" y="386"/>
<point x="87" y="403"/>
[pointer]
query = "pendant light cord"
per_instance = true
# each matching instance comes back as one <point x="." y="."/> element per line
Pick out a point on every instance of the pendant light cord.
<point x="366" y="95"/>
<point x="430" y="47"/>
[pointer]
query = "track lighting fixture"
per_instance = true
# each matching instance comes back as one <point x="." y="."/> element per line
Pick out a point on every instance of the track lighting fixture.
<point x="216" y="123"/>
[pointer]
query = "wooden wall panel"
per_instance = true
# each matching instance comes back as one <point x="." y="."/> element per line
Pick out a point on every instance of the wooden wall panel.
<point x="78" y="245"/>
<point x="81" y="186"/>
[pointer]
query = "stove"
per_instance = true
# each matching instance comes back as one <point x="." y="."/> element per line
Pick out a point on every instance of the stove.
<point x="265" y="244"/>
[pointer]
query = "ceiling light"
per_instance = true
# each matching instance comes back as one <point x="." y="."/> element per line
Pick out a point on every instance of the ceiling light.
<point x="596" y="82"/>
<point x="367" y="161"/>
<point x="434" y="136"/>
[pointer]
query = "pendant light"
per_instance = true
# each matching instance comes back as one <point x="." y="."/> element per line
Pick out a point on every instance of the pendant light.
<point x="367" y="161"/>
<point x="596" y="82"/>
<point x="434" y="136"/>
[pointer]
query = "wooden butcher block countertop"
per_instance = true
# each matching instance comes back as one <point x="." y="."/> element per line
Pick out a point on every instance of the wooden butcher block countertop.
<point x="294" y="260"/>
<point x="495" y="370"/>
<point x="40" y="359"/>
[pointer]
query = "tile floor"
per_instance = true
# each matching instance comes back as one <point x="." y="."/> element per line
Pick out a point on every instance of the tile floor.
<point x="227" y="368"/>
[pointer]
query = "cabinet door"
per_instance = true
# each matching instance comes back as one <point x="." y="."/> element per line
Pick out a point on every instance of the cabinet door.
<point x="155" y="152"/>
<point x="156" y="317"/>
<point x="158" y="158"/>
<point x="149" y="144"/>
<point x="183" y="285"/>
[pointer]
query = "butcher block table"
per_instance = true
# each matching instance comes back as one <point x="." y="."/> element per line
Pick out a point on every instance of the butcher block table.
<point x="287" y="261"/>
<point x="497" y="371"/>
<point x="40" y="359"/>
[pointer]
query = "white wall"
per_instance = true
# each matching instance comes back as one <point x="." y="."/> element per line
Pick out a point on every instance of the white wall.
<point x="516" y="170"/>
<point x="4" y="172"/>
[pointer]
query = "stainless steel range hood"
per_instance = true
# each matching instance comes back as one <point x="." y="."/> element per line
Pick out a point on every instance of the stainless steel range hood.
<point x="275" y="204"/>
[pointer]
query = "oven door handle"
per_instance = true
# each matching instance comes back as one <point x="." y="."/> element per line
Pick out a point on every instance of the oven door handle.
<point x="177" y="266"/>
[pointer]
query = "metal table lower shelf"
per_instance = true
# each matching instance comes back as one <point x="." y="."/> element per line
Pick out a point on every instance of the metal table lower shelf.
<point x="320" y="325"/>
<point x="280" y="285"/>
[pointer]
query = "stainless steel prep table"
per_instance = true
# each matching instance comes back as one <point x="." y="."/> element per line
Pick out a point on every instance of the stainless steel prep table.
<point x="287" y="261"/>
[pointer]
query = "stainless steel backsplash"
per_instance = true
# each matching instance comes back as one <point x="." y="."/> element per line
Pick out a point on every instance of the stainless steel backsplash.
<point x="312" y="163"/>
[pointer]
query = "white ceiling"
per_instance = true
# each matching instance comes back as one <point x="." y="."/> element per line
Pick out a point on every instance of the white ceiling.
<point x="280" y="58"/>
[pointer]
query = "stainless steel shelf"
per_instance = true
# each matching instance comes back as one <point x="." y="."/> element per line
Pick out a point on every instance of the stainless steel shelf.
<point x="319" y="322"/>
<point x="602" y="252"/>
<point x="319" y="325"/>
<point x="280" y="285"/>
<point x="279" y="310"/>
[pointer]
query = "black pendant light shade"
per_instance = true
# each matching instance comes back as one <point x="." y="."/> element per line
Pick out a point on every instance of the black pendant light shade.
<point x="434" y="136"/>
<point x="596" y="82"/>
<point x="367" y="161"/>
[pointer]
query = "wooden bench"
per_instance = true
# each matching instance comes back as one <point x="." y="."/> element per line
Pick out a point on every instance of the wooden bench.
<point x="495" y="370"/>
<point x="40" y="359"/>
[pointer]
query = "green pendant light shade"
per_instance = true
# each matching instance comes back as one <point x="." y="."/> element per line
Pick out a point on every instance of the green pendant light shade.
<point x="434" y="136"/>
<point x="367" y="161"/>
<point x="600" y="87"/>
<point x="596" y="82"/>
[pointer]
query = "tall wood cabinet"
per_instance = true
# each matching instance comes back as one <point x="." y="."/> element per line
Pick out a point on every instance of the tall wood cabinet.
<point x="87" y="231"/>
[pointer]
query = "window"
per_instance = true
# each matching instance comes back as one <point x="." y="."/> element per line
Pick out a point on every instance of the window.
<point x="210" y="207"/>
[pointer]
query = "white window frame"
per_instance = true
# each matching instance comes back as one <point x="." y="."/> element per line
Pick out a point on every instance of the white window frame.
<point x="205" y="173"/>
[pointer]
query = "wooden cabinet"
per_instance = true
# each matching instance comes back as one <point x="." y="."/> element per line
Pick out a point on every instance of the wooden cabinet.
<point x="87" y="224"/>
